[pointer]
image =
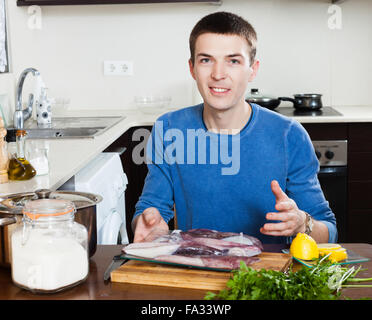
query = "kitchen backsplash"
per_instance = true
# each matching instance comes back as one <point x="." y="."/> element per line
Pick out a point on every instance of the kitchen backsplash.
<point x="303" y="46"/>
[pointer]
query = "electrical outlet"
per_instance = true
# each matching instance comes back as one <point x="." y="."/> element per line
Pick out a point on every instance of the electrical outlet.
<point x="118" y="68"/>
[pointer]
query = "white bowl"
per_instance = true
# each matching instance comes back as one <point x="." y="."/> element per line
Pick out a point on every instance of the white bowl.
<point x="152" y="104"/>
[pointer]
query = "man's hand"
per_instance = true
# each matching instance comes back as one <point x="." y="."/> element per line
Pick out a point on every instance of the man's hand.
<point x="292" y="219"/>
<point x="149" y="225"/>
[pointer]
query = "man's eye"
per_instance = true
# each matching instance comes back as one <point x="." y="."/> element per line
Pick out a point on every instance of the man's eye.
<point x="204" y="60"/>
<point x="234" y="61"/>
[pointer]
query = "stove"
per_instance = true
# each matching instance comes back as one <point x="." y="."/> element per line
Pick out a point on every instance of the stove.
<point x="323" y="112"/>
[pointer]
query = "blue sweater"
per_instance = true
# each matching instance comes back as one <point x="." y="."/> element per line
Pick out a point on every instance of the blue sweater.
<point x="222" y="181"/>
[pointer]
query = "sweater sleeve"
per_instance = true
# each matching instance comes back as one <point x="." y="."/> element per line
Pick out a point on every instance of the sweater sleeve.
<point x="158" y="188"/>
<point x="302" y="180"/>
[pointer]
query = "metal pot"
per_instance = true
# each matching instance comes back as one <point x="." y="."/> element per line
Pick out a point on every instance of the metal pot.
<point x="265" y="101"/>
<point x="306" y="101"/>
<point x="11" y="214"/>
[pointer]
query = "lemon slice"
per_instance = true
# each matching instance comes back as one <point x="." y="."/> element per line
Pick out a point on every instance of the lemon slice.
<point x="338" y="255"/>
<point x="329" y="246"/>
<point x="304" y="247"/>
<point x="325" y="248"/>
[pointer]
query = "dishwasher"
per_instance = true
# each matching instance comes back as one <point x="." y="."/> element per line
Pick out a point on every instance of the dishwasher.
<point x="105" y="176"/>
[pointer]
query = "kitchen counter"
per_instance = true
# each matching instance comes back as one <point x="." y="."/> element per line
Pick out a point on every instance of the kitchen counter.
<point x="94" y="288"/>
<point x="349" y="114"/>
<point x="68" y="156"/>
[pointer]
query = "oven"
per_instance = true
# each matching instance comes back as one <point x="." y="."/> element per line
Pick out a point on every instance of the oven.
<point x="332" y="156"/>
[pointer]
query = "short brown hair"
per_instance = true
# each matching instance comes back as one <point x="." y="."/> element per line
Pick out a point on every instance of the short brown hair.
<point x="224" y="23"/>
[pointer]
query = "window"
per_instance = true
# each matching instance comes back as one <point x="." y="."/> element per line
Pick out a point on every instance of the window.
<point x="4" y="66"/>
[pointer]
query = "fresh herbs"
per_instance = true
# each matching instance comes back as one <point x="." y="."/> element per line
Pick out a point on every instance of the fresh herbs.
<point x="322" y="282"/>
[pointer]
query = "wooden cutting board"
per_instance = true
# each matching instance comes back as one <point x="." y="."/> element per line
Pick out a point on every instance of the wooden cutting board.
<point x="139" y="272"/>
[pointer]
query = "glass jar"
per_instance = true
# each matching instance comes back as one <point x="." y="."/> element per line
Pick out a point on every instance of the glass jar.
<point x="50" y="249"/>
<point x="39" y="160"/>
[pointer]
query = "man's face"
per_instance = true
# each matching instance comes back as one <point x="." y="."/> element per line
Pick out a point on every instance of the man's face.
<point x="222" y="69"/>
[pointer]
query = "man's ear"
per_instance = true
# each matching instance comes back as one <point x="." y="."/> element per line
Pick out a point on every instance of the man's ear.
<point x="255" y="66"/>
<point x="191" y="67"/>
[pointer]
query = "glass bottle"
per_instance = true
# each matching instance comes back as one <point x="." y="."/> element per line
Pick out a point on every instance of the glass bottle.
<point x="50" y="249"/>
<point x="4" y="159"/>
<point x="19" y="167"/>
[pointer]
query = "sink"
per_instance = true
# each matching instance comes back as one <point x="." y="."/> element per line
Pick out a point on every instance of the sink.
<point x="45" y="133"/>
<point x="68" y="128"/>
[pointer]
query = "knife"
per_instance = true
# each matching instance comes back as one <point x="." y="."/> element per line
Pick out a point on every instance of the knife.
<point x="116" y="262"/>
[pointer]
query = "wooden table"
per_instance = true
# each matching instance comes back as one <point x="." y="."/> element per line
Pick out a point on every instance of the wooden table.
<point x="94" y="288"/>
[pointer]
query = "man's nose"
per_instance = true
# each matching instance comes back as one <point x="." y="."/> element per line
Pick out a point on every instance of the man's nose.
<point x="219" y="71"/>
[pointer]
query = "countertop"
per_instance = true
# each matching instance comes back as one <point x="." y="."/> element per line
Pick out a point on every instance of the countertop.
<point x="95" y="288"/>
<point x="68" y="156"/>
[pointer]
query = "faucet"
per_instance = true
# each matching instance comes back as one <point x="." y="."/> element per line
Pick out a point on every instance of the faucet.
<point x="20" y="115"/>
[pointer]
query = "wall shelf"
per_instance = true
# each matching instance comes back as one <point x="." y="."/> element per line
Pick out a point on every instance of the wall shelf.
<point x="83" y="2"/>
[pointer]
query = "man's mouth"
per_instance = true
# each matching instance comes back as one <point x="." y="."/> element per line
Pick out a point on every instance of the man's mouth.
<point x="219" y="90"/>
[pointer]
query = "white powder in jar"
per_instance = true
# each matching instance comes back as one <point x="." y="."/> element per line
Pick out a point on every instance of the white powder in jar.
<point x="46" y="261"/>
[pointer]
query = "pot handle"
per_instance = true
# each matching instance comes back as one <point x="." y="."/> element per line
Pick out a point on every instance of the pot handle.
<point x="7" y="220"/>
<point x="287" y="99"/>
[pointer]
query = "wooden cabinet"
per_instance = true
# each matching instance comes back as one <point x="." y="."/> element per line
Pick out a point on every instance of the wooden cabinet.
<point x="326" y="131"/>
<point x="360" y="182"/>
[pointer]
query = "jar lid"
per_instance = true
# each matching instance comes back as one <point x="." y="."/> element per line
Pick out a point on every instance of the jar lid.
<point x="21" y="133"/>
<point x="35" y="209"/>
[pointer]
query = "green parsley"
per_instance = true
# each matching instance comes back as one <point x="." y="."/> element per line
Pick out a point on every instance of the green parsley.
<point x="322" y="282"/>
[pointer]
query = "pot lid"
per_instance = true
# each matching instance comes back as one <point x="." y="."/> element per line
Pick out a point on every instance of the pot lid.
<point x="14" y="203"/>
<point x="255" y="96"/>
<point x="307" y="95"/>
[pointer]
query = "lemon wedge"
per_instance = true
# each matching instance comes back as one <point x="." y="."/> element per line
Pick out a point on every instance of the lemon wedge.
<point x="337" y="253"/>
<point x="304" y="247"/>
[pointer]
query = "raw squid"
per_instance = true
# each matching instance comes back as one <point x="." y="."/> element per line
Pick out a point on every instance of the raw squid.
<point x="232" y="248"/>
<point x="228" y="262"/>
<point x="150" y="249"/>
<point x="226" y="236"/>
<point x="194" y="248"/>
<point x="200" y="247"/>
<point x="192" y="261"/>
<point x="219" y="262"/>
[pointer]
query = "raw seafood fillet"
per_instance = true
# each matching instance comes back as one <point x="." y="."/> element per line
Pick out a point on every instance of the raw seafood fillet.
<point x="219" y="262"/>
<point x="200" y="247"/>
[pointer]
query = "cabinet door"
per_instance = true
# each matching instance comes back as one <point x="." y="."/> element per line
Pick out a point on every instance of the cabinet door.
<point x="360" y="137"/>
<point x="360" y="226"/>
<point x="326" y="131"/>
<point x="360" y="182"/>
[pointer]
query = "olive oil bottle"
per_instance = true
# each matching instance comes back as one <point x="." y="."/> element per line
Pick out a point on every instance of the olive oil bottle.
<point x="19" y="167"/>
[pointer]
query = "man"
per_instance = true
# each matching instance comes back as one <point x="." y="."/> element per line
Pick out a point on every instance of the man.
<point x="274" y="152"/>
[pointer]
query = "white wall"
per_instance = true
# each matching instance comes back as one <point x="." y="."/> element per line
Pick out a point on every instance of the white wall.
<point x="297" y="49"/>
